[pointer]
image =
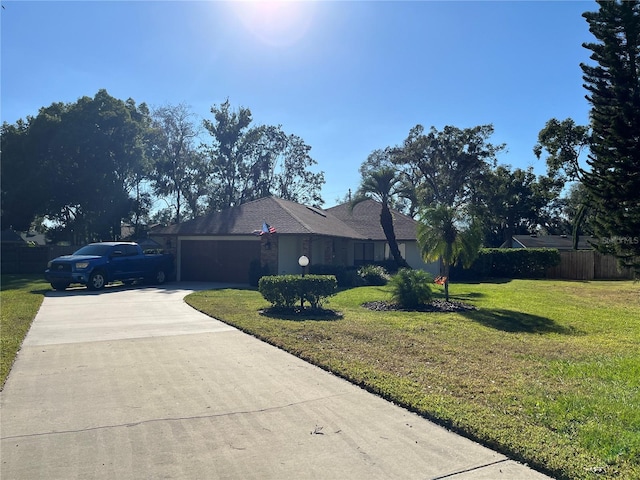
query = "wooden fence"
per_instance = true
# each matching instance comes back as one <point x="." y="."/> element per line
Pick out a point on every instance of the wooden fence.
<point x="16" y="258"/>
<point x="588" y="265"/>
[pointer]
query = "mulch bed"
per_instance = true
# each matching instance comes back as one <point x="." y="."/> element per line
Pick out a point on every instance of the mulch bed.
<point x="435" y="306"/>
<point x="297" y="313"/>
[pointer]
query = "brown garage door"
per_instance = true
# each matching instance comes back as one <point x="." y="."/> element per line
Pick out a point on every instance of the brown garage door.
<point x="217" y="260"/>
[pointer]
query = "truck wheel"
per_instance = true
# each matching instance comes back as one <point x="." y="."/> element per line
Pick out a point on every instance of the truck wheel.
<point x="96" y="281"/>
<point x="160" y="277"/>
<point x="59" y="286"/>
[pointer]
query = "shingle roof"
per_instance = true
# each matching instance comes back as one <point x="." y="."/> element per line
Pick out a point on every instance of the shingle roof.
<point x="285" y="216"/>
<point x="364" y="217"/>
<point x="11" y="236"/>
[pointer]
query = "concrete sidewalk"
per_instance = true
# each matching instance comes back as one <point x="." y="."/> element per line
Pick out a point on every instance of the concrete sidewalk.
<point x="131" y="383"/>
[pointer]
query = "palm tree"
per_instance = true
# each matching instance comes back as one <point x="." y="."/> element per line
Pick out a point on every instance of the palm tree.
<point x="381" y="185"/>
<point x="447" y="234"/>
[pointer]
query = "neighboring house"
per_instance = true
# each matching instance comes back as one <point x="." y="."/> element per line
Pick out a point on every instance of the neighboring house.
<point x="561" y="242"/>
<point x="582" y="264"/>
<point x="11" y="237"/>
<point x="34" y="238"/>
<point x="223" y="246"/>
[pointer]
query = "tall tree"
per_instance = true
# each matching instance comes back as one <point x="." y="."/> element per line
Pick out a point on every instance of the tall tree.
<point x="576" y="209"/>
<point x="252" y="162"/>
<point x="511" y="202"/>
<point x="227" y="153"/>
<point x="83" y="156"/>
<point x="444" y="163"/>
<point x="565" y="142"/>
<point x="448" y="234"/>
<point x="613" y="86"/>
<point x="19" y="201"/>
<point x="292" y="178"/>
<point x="445" y="166"/>
<point x="140" y="173"/>
<point x="180" y="172"/>
<point x="382" y="185"/>
<point x="99" y="146"/>
<point x="405" y="199"/>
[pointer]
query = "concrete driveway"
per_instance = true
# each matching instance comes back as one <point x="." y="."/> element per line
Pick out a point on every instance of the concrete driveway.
<point x="132" y="383"/>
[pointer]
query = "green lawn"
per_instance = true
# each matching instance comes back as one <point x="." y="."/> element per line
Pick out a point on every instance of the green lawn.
<point x="547" y="372"/>
<point x="20" y="299"/>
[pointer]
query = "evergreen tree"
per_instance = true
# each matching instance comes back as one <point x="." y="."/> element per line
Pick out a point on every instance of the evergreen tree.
<point x="613" y="83"/>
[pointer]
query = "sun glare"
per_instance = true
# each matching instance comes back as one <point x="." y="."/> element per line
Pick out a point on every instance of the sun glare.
<point x="278" y="24"/>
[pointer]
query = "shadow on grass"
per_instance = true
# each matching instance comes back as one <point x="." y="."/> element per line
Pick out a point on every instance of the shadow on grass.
<point x="10" y="281"/>
<point x="510" y="321"/>
<point x="461" y="297"/>
<point x="302" y="315"/>
<point x="495" y="281"/>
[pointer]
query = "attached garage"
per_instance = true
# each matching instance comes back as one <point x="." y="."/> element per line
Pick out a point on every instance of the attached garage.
<point x="217" y="260"/>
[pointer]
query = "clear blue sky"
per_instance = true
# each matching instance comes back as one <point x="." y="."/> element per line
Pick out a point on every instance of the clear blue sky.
<point x="347" y="77"/>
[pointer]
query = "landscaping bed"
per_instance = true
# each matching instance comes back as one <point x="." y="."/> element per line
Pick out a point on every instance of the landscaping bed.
<point x="434" y="306"/>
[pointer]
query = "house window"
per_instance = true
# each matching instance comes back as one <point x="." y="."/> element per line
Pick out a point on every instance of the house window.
<point x="362" y="253"/>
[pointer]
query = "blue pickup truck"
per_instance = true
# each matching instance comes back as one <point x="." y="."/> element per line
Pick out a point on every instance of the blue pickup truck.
<point x="98" y="264"/>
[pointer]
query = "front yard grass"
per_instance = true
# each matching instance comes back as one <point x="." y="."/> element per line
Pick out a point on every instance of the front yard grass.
<point x="547" y="372"/>
<point x="20" y="299"/>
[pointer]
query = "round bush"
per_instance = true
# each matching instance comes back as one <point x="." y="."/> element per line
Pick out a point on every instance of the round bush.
<point x="374" y="275"/>
<point x="411" y="288"/>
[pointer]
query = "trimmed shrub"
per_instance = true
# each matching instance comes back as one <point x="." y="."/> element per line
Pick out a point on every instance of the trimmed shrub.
<point x="510" y="263"/>
<point x="287" y="291"/>
<point x="351" y="280"/>
<point x="344" y="276"/>
<point x="389" y="265"/>
<point x="280" y="290"/>
<point x="316" y="289"/>
<point x="411" y="288"/>
<point x="374" y="275"/>
<point x="519" y="262"/>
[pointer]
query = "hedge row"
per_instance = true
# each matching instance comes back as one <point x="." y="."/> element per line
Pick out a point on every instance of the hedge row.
<point x="288" y="291"/>
<point x="349" y="277"/>
<point x="509" y="263"/>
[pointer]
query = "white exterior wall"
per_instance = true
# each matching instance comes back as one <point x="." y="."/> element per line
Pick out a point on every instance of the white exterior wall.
<point x="289" y="250"/>
<point x="414" y="259"/>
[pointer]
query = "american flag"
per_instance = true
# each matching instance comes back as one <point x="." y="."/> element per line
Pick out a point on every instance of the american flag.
<point x="266" y="228"/>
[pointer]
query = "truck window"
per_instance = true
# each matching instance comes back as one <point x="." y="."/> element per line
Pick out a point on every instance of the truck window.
<point x="96" y="250"/>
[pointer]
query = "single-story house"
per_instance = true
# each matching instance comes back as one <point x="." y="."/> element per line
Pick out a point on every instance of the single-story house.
<point x="222" y="246"/>
<point x="560" y="242"/>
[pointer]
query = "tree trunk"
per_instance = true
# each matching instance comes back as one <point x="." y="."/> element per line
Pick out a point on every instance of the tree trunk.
<point x="446" y="282"/>
<point x="577" y="223"/>
<point x="386" y="221"/>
